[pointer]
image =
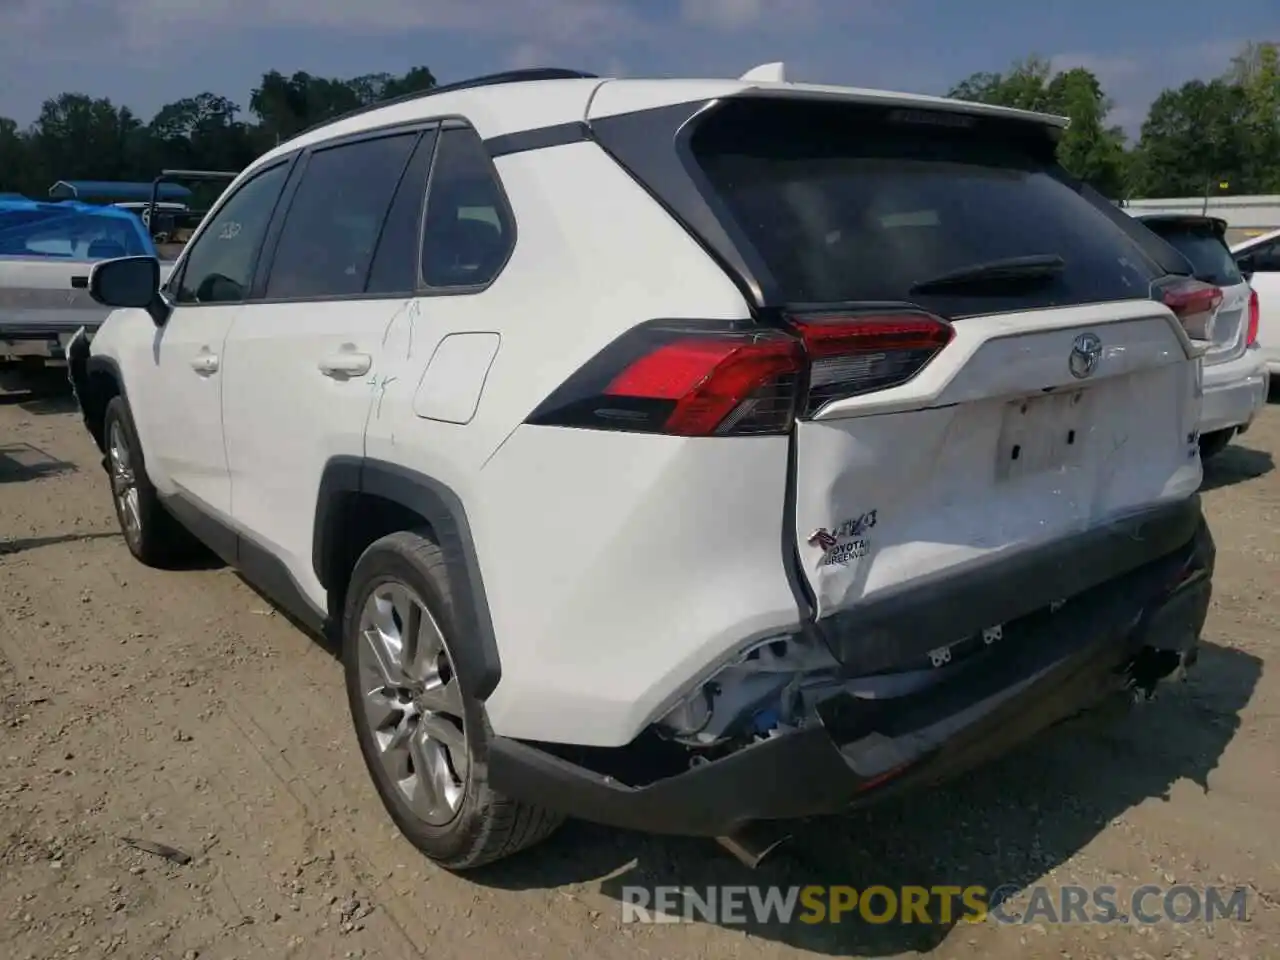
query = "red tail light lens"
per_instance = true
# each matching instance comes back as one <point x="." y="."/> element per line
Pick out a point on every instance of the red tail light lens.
<point x="695" y="379"/>
<point x="1255" y="314"/>
<point x="1194" y="303"/>
<point x="725" y="385"/>
<point x="685" y="378"/>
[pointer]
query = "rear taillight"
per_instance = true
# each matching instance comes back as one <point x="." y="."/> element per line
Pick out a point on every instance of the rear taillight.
<point x="1255" y="314"/>
<point x="850" y="355"/>
<point x="712" y="385"/>
<point x="1194" y="303"/>
<point x="695" y="379"/>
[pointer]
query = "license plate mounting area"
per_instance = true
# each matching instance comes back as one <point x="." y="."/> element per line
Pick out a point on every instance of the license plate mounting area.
<point x="1040" y="434"/>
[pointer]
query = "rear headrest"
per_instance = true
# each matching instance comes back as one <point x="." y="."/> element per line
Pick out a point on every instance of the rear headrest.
<point x="476" y="234"/>
<point x="105" y="250"/>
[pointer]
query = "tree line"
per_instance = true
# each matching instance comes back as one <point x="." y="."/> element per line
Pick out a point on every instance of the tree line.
<point x="1215" y="136"/>
<point x="81" y="137"/>
<point x="1220" y="135"/>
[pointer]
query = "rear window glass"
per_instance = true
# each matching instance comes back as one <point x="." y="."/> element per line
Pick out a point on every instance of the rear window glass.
<point x="1208" y="255"/>
<point x="853" y="204"/>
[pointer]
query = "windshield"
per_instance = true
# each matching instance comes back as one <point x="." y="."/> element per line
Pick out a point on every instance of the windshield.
<point x="1207" y="253"/>
<point x="848" y="204"/>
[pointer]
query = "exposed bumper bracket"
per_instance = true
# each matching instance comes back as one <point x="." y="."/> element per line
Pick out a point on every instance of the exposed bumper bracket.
<point x="753" y="842"/>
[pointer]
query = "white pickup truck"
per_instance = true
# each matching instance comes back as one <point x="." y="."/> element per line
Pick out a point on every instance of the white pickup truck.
<point x="46" y="250"/>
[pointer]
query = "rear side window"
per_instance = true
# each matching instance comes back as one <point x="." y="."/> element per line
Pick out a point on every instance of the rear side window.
<point x="1208" y="255"/>
<point x="335" y="218"/>
<point x="467" y="232"/>
<point x="850" y="203"/>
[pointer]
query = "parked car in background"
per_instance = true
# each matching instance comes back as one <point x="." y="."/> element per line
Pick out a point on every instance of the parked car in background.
<point x="1235" y="374"/>
<point x="46" y="250"/>
<point x="1259" y="260"/>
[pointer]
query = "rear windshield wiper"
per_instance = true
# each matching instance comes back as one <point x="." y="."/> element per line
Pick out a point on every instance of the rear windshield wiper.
<point x="995" y="272"/>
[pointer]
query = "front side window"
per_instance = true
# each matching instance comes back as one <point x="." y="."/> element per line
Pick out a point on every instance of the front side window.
<point x="467" y="232"/>
<point x="336" y="217"/>
<point x="219" y="266"/>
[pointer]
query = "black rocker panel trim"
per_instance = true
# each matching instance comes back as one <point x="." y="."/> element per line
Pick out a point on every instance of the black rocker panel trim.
<point x="258" y="565"/>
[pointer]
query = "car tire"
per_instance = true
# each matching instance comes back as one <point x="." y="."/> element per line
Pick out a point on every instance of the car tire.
<point x="422" y="734"/>
<point x="150" y="532"/>
<point x="1212" y="444"/>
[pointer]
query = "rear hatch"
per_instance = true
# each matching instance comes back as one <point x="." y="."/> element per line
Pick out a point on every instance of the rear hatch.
<point x="989" y="372"/>
<point x="1202" y="240"/>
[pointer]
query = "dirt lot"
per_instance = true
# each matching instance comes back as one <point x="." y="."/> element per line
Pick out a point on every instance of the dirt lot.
<point x="178" y="708"/>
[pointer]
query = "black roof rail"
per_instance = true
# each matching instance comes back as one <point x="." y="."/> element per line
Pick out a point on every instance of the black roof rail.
<point x="489" y="80"/>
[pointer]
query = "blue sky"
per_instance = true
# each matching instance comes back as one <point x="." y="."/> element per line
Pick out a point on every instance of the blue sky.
<point x="145" y="53"/>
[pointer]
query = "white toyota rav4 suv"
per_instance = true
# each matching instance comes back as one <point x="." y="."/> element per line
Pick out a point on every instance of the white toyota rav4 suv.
<point x="1235" y="370"/>
<point x="673" y="454"/>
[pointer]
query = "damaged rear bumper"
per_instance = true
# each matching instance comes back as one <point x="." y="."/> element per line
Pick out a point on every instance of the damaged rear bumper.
<point x="1126" y="634"/>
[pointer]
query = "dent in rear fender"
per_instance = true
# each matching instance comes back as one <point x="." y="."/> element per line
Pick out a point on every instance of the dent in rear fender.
<point x="622" y="569"/>
<point x="476" y="652"/>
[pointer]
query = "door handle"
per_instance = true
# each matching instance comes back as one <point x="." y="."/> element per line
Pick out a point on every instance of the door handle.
<point x="205" y="364"/>
<point x="346" y="364"/>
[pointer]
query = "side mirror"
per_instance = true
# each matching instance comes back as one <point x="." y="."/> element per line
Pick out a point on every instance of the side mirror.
<point x="130" y="282"/>
<point x="1246" y="266"/>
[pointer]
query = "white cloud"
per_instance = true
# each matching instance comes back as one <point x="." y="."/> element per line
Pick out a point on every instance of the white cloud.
<point x="732" y="15"/>
<point x="525" y="55"/>
<point x="1134" y="78"/>
<point x="1104" y="67"/>
<point x="142" y="24"/>
<point x="725" y="14"/>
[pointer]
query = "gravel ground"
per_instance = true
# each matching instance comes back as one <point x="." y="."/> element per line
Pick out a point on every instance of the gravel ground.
<point x="180" y="709"/>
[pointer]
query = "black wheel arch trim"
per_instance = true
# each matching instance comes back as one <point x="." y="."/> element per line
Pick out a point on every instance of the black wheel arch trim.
<point x="81" y="367"/>
<point x="477" y="659"/>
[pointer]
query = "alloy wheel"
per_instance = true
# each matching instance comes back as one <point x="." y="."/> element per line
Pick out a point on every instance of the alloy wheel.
<point x="124" y="482"/>
<point x="412" y="702"/>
